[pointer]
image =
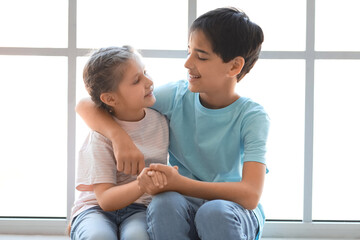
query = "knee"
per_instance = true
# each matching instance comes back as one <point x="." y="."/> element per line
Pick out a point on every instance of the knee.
<point x="164" y="202"/>
<point x="167" y="207"/>
<point x="216" y="212"/>
<point x="96" y="235"/>
<point x="134" y="234"/>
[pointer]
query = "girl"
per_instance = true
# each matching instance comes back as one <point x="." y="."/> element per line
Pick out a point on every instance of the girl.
<point x="111" y="205"/>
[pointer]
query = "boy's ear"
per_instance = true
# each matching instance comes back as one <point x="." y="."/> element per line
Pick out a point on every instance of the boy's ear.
<point x="237" y="65"/>
<point x="108" y="99"/>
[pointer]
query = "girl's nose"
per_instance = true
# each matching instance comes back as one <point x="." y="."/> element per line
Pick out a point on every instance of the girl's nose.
<point x="149" y="82"/>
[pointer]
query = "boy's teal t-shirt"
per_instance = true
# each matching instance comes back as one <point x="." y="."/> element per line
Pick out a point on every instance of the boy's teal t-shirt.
<point x="212" y="144"/>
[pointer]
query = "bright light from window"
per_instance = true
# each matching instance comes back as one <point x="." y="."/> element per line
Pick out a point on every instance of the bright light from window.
<point x="337" y="25"/>
<point x="35" y="23"/>
<point x="336" y="140"/>
<point x="33" y="136"/>
<point x="142" y="24"/>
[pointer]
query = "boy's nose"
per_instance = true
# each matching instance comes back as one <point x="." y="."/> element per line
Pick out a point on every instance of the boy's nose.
<point x="188" y="63"/>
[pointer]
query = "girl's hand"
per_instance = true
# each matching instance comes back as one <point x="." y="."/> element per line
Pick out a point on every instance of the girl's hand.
<point x="146" y="181"/>
<point x="171" y="175"/>
<point x="158" y="178"/>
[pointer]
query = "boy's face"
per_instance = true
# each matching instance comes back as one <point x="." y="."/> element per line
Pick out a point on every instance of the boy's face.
<point x="207" y="71"/>
<point x="135" y="89"/>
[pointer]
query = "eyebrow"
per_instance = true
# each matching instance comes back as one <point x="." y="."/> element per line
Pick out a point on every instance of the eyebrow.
<point x="135" y="75"/>
<point x="201" y="51"/>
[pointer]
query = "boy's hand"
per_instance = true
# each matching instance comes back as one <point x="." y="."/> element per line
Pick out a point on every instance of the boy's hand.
<point x="146" y="181"/>
<point x="129" y="158"/>
<point x="158" y="178"/>
<point x="171" y="175"/>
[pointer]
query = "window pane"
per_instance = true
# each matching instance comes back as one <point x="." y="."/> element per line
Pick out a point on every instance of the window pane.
<point x="34" y="136"/>
<point x="279" y="86"/>
<point x="163" y="70"/>
<point x="143" y="24"/>
<point x="337" y="25"/>
<point x="36" y="23"/>
<point x="336" y="140"/>
<point x="283" y="22"/>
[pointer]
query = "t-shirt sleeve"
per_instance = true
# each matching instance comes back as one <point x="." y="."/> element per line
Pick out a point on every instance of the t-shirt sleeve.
<point x="167" y="95"/>
<point x="255" y="133"/>
<point x="96" y="163"/>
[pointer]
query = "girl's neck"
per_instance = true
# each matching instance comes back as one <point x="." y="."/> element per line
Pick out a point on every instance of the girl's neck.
<point x="130" y="116"/>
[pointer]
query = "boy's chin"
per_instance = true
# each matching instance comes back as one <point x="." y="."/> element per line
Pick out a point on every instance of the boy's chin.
<point x="193" y="88"/>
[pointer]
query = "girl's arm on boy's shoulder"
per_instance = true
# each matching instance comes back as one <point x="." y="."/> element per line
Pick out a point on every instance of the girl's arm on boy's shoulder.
<point x="247" y="192"/>
<point x="129" y="158"/>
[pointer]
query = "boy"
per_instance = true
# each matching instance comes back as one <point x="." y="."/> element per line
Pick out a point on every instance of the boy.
<point x="217" y="138"/>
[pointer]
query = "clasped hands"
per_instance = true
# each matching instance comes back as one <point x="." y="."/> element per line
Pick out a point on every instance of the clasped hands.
<point x="157" y="178"/>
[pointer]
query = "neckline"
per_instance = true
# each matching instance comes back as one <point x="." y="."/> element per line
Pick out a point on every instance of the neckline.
<point x="228" y="108"/>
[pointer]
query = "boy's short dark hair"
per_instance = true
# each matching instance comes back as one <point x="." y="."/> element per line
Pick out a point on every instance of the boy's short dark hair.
<point x="231" y="34"/>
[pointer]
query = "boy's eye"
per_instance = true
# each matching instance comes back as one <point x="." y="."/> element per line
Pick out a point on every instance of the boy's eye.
<point x="202" y="59"/>
<point x="137" y="81"/>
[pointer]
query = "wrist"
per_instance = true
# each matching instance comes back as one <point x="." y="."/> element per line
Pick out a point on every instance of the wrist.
<point x="116" y="134"/>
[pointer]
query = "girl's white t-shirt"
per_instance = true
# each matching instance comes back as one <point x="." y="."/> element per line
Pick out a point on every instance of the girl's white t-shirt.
<point x="97" y="164"/>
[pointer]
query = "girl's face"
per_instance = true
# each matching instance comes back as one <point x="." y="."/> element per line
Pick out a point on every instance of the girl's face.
<point x="135" y="91"/>
<point x="207" y="71"/>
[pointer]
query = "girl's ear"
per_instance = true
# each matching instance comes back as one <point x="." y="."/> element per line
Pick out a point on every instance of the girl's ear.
<point x="237" y="65"/>
<point x="108" y="99"/>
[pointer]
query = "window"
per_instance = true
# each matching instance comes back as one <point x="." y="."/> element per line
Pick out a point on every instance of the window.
<point x="306" y="78"/>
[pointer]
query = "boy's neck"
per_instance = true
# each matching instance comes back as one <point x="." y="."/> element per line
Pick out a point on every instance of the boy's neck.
<point x="217" y="101"/>
<point x="130" y="116"/>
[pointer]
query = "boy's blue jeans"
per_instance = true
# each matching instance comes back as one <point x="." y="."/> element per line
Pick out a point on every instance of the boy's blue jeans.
<point x="128" y="223"/>
<point x="171" y="215"/>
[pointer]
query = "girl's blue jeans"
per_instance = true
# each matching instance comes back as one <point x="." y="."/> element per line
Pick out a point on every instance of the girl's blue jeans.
<point x="172" y="216"/>
<point x="128" y="223"/>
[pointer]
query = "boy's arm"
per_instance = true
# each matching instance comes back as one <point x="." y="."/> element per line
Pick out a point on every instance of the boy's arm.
<point x="247" y="192"/>
<point x="129" y="158"/>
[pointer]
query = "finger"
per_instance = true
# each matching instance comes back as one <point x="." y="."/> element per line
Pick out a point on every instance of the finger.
<point x="155" y="180"/>
<point x="134" y="168"/>
<point x="150" y="173"/>
<point x="141" y="165"/>
<point x="164" y="179"/>
<point x="120" y="166"/>
<point x="127" y="167"/>
<point x="159" y="179"/>
<point x="160" y="167"/>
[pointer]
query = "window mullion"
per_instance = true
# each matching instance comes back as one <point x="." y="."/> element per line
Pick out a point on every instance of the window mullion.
<point x="309" y="110"/>
<point x="71" y="106"/>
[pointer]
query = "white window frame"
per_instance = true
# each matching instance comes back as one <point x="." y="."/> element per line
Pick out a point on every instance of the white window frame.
<point x="288" y="229"/>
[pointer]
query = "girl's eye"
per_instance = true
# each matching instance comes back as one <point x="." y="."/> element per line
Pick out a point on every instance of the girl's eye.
<point x="137" y="81"/>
